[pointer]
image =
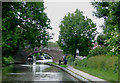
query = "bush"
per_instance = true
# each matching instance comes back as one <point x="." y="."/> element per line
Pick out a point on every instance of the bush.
<point x="110" y="53"/>
<point x="8" y="60"/>
<point x="70" y="58"/>
<point x="99" y="51"/>
<point x="79" y="63"/>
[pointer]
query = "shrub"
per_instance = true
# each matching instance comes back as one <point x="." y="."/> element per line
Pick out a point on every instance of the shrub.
<point x="110" y="53"/>
<point x="77" y="62"/>
<point x="70" y="58"/>
<point x="8" y="60"/>
<point x="99" y="51"/>
<point x="82" y="63"/>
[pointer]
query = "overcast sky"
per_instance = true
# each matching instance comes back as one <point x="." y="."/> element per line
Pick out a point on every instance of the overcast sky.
<point x="56" y="10"/>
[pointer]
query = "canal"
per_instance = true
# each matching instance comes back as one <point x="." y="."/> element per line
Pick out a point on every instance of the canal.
<point x="35" y="73"/>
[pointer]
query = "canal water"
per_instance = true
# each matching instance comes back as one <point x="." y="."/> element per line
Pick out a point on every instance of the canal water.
<point x="35" y="73"/>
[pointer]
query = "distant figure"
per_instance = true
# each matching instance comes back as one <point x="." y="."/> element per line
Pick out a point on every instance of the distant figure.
<point x="64" y="58"/>
<point x="65" y="62"/>
<point x="59" y="62"/>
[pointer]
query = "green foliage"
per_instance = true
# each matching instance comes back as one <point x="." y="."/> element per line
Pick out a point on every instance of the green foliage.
<point x="111" y="22"/>
<point x="110" y="53"/>
<point x="7" y="60"/>
<point x="106" y="75"/>
<point x="102" y="62"/>
<point x="101" y="9"/>
<point x="24" y="24"/>
<point x="78" y="62"/>
<point x="103" y="66"/>
<point x="52" y="63"/>
<point x="101" y="39"/>
<point x="52" y="44"/>
<point x="70" y="58"/>
<point x="106" y="63"/>
<point x="7" y="69"/>
<point x="99" y="51"/>
<point x="64" y="66"/>
<point x="76" y="32"/>
<point x="37" y="55"/>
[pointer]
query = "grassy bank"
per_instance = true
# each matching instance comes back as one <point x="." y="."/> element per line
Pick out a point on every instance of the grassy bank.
<point x="62" y="65"/>
<point x="105" y="67"/>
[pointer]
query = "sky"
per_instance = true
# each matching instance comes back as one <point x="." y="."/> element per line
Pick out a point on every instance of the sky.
<point x="57" y="9"/>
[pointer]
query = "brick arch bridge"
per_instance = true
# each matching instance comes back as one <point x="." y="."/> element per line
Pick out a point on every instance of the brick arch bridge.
<point x="56" y="54"/>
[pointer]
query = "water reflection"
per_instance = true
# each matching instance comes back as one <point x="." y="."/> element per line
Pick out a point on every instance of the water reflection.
<point x="39" y="72"/>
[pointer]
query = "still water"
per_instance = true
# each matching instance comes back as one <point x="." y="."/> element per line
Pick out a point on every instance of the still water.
<point x="35" y="73"/>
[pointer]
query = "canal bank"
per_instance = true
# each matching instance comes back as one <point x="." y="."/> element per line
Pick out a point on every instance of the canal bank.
<point x="70" y="72"/>
<point x="80" y="74"/>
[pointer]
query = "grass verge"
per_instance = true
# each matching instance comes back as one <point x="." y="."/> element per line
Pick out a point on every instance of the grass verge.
<point x="109" y="76"/>
<point x="62" y="65"/>
<point x="104" y="67"/>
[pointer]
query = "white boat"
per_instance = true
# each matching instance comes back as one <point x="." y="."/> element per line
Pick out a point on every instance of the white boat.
<point x="43" y="59"/>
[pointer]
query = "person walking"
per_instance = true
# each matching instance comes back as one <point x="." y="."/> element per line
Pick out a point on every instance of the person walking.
<point x="64" y="60"/>
<point x="59" y="62"/>
<point x="63" y="57"/>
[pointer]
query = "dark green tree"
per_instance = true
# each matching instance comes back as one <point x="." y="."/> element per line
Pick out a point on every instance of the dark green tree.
<point x="101" y="39"/>
<point x="101" y="9"/>
<point x="111" y="22"/>
<point x="76" y="32"/>
<point x="24" y="24"/>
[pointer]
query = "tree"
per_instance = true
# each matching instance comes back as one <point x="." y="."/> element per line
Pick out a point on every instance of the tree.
<point x="101" y="9"/>
<point x="111" y="22"/>
<point x="76" y="32"/>
<point x="24" y="24"/>
<point x="101" y="39"/>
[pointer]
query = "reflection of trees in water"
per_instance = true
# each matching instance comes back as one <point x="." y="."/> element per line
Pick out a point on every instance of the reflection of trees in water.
<point x="7" y="69"/>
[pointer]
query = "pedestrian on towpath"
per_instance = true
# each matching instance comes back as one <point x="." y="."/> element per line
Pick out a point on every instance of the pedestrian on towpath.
<point x="59" y="62"/>
<point x="65" y="62"/>
<point x="64" y="58"/>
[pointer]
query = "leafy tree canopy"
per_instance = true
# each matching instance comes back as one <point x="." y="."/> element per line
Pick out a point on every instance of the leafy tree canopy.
<point x="110" y="12"/>
<point x="76" y="32"/>
<point x="24" y="24"/>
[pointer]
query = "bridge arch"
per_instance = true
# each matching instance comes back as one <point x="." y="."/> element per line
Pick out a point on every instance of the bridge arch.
<point x="55" y="54"/>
